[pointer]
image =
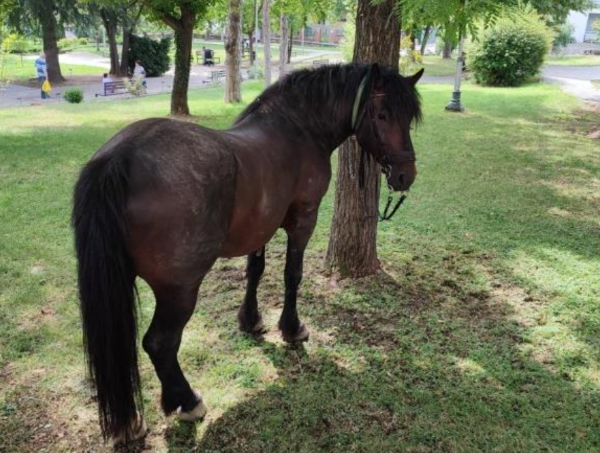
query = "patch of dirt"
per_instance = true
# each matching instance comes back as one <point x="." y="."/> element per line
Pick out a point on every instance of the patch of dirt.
<point x="584" y="122"/>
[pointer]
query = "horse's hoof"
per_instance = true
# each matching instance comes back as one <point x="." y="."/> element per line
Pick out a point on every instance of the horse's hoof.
<point x="300" y="336"/>
<point x="138" y="431"/>
<point x="256" y="329"/>
<point x="197" y="413"/>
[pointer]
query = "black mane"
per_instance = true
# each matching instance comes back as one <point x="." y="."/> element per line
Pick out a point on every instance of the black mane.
<point x="314" y="100"/>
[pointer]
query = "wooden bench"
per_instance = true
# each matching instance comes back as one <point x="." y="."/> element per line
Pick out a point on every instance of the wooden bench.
<point x="113" y="88"/>
<point x="319" y="63"/>
<point x="209" y="61"/>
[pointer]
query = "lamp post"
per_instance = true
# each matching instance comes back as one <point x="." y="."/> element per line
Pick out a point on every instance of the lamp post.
<point x="255" y="46"/>
<point x="455" y="104"/>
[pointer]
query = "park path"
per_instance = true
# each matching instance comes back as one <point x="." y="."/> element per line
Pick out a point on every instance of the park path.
<point x="576" y="80"/>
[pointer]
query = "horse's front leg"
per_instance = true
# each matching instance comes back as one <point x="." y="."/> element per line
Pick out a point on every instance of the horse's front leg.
<point x="249" y="318"/>
<point x="299" y="231"/>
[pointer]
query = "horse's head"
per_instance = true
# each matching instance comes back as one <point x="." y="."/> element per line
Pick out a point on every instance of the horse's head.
<point x="386" y="105"/>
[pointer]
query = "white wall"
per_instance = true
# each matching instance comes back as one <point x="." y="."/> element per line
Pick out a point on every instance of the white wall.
<point x="580" y="21"/>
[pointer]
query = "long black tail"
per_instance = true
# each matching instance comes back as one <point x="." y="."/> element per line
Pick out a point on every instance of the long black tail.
<point x="107" y="291"/>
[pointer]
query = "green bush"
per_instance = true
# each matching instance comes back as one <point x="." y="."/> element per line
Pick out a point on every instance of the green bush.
<point x="82" y="41"/>
<point x="511" y="51"/>
<point x="154" y="55"/>
<point x="15" y="43"/>
<point x="73" y="96"/>
<point x="66" y="43"/>
<point x="564" y="35"/>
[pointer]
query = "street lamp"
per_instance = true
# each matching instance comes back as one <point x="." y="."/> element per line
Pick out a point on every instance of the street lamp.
<point x="455" y="104"/>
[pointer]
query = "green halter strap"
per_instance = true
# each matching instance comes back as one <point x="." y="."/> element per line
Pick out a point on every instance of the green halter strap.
<point x="359" y="95"/>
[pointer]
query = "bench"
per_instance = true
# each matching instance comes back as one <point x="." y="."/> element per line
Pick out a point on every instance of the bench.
<point x="207" y="61"/>
<point x="319" y="63"/>
<point x="112" y="88"/>
<point x="592" y="52"/>
<point x="217" y="76"/>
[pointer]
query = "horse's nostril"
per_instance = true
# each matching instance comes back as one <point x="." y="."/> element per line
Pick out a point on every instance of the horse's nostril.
<point x="401" y="179"/>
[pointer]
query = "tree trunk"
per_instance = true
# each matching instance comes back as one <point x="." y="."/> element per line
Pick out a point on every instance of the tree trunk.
<point x="352" y="247"/>
<point x="447" y="49"/>
<point x="184" y="34"/>
<point x="283" y="44"/>
<point x="125" y="52"/>
<point x="266" y="37"/>
<point x="110" y="25"/>
<point x="233" y="80"/>
<point x="97" y="36"/>
<point x="290" y="45"/>
<point x="48" y="22"/>
<point x="251" y="46"/>
<point x="128" y="30"/>
<point x="425" y="38"/>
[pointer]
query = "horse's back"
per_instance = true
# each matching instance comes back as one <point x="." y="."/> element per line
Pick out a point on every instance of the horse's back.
<point x="181" y="194"/>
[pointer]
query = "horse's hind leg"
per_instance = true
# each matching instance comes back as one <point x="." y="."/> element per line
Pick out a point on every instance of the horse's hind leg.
<point x="249" y="318"/>
<point x="174" y="307"/>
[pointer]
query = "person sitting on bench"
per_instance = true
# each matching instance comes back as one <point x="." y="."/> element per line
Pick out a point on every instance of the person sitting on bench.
<point x="208" y="57"/>
<point x="106" y="79"/>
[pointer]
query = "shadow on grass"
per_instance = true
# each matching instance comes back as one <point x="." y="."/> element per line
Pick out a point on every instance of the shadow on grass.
<point x="410" y="371"/>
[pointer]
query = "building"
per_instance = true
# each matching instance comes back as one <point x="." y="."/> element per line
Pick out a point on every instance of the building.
<point x="582" y="23"/>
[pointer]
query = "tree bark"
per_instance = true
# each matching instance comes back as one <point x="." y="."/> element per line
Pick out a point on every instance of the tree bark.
<point x="124" y="69"/>
<point x="128" y="30"/>
<point x="110" y="25"/>
<point x="290" y="44"/>
<point x="352" y="247"/>
<point x="425" y="38"/>
<point x="447" y="49"/>
<point x="184" y="37"/>
<point x="251" y="46"/>
<point x="233" y="80"/>
<point x="283" y="44"/>
<point x="266" y="38"/>
<point x="49" y="25"/>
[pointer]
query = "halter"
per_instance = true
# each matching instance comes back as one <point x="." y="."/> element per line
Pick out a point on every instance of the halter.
<point x="357" y="118"/>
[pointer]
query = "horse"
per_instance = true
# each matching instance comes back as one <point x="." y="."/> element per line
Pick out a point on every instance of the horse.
<point x="164" y="199"/>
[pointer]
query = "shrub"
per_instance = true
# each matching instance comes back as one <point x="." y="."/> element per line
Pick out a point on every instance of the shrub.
<point x="66" y="43"/>
<point x="82" y="41"/>
<point x="14" y="43"/>
<point x="511" y="51"/>
<point x="564" y="35"/>
<point x="154" y="55"/>
<point x="410" y="60"/>
<point x="73" y="96"/>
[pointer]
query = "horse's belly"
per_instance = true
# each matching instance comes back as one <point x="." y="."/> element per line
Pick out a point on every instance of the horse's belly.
<point x="250" y="234"/>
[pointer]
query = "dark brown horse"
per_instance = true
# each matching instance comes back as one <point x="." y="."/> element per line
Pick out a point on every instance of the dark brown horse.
<point x="164" y="199"/>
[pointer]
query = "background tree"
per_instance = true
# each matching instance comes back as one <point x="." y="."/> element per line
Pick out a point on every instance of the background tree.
<point x="182" y="16"/>
<point x="352" y="249"/>
<point x="45" y="15"/>
<point x="233" y="54"/>
<point x="266" y="38"/>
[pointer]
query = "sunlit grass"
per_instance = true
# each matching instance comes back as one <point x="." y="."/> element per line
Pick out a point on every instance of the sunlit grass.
<point x="481" y="336"/>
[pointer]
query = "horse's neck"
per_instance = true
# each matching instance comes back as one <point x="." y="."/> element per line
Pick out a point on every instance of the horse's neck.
<point x="326" y="130"/>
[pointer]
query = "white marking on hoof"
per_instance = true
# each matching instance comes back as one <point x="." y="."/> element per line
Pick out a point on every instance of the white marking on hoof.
<point x="139" y="429"/>
<point x="301" y="336"/>
<point x="197" y="413"/>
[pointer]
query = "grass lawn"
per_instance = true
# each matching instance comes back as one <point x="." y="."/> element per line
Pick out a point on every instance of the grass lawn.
<point x="437" y="66"/>
<point x="596" y="83"/>
<point x="482" y="334"/>
<point x="15" y="70"/>
<point x="588" y="60"/>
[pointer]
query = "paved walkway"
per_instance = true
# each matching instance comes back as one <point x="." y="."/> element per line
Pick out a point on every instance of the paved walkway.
<point x="576" y="80"/>
<point x="200" y="77"/>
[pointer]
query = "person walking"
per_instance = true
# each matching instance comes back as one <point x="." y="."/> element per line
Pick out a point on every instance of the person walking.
<point x="42" y="73"/>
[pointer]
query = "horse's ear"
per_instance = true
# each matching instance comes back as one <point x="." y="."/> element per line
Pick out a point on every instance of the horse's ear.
<point x="413" y="79"/>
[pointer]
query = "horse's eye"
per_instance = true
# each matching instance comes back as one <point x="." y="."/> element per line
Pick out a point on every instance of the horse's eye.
<point x="382" y="117"/>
